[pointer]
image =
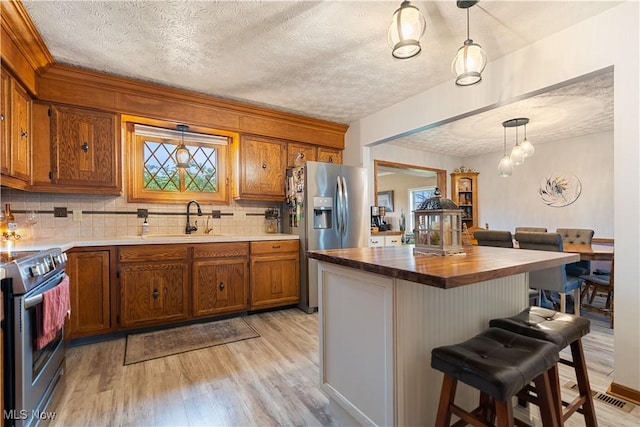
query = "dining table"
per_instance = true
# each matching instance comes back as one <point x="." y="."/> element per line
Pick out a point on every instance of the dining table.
<point x="591" y="252"/>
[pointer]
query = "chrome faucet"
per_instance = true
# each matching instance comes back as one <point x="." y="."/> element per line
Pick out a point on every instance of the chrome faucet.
<point x="194" y="227"/>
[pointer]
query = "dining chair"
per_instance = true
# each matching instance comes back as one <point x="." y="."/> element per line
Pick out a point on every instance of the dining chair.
<point x="599" y="285"/>
<point x="502" y="239"/>
<point x="497" y="238"/>
<point x="581" y="236"/>
<point x="554" y="279"/>
<point x="537" y="229"/>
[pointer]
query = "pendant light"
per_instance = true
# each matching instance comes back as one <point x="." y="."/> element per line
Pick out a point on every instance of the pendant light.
<point x="527" y="148"/>
<point x="504" y="167"/>
<point x="517" y="156"/>
<point x="471" y="59"/>
<point x="407" y="26"/>
<point x="182" y="152"/>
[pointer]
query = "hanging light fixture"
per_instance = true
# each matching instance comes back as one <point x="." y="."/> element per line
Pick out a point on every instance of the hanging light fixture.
<point x="407" y="26"/>
<point x="471" y="59"/>
<point x="182" y="152"/>
<point x="519" y="151"/>
<point x="517" y="156"/>
<point x="527" y="148"/>
<point x="504" y="167"/>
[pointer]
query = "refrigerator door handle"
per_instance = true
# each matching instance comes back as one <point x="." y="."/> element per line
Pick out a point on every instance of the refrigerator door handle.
<point x="339" y="206"/>
<point x="345" y="207"/>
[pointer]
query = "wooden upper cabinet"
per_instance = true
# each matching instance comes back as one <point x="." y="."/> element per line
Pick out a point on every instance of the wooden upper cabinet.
<point x="308" y="153"/>
<point x="85" y="150"/>
<point x="329" y="155"/>
<point x="15" y="146"/>
<point x="5" y="128"/>
<point x="260" y="168"/>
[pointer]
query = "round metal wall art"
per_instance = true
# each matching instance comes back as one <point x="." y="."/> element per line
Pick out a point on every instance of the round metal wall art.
<point x="560" y="189"/>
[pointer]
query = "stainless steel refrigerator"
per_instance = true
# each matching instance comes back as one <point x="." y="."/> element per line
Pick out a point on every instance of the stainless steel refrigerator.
<point x="327" y="207"/>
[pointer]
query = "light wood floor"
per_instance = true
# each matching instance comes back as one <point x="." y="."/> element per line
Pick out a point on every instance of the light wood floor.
<point x="266" y="381"/>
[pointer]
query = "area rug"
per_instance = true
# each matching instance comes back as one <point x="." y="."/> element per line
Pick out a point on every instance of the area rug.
<point x="167" y="342"/>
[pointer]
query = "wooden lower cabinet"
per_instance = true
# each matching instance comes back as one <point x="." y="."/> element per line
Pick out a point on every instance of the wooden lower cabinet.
<point x="275" y="274"/>
<point x="154" y="284"/>
<point x="90" y="293"/>
<point x="220" y="278"/>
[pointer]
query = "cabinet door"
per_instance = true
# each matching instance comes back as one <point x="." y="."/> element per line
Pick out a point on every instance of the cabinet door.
<point x="153" y="292"/>
<point x="329" y="155"/>
<point x="262" y="169"/>
<point x="85" y="148"/>
<point x="5" y="127"/>
<point x="220" y="286"/>
<point x="20" y="132"/>
<point x="90" y="291"/>
<point x="308" y="153"/>
<point x="275" y="280"/>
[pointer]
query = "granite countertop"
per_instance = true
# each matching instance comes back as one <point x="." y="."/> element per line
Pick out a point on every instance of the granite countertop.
<point x="149" y="239"/>
<point x="476" y="264"/>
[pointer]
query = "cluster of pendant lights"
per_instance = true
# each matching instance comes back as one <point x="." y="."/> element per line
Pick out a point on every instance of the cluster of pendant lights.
<point x="408" y="25"/>
<point x="519" y="152"/>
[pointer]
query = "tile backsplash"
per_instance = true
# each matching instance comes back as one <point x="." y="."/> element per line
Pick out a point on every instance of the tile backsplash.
<point x="112" y="216"/>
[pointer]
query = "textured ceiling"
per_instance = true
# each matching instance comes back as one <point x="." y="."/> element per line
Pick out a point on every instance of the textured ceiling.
<point x="577" y="109"/>
<point x="328" y="60"/>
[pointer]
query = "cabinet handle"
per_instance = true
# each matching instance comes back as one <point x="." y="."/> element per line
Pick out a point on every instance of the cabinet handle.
<point x="264" y="166"/>
<point x="23" y="133"/>
<point x="275" y="247"/>
<point x="221" y="286"/>
<point x="155" y="294"/>
<point x="85" y="147"/>
<point x="330" y="159"/>
<point x="1" y="117"/>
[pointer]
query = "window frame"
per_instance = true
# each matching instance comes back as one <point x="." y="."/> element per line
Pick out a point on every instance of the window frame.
<point x="411" y="191"/>
<point x="134" y="152"/>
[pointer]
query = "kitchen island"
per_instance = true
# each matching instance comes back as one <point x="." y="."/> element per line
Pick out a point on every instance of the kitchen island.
<point x="382" y="310"/>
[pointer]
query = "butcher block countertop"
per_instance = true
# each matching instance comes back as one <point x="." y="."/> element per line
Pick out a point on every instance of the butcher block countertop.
<point x="476" y="264"/>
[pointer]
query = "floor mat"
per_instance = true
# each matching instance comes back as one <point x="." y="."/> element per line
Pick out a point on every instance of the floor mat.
<point x="166" y="342"/>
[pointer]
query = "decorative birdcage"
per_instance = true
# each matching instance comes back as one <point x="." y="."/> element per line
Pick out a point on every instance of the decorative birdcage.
<point x="438" y="227"/>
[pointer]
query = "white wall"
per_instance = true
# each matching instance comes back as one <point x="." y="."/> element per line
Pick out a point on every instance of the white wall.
<point x="506" y="203"/>
<point x="611" y="38"/>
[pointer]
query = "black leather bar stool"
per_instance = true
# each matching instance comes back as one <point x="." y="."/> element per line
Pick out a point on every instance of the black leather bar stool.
<point x="562" y="330"/>
<point x="498" y="363"/>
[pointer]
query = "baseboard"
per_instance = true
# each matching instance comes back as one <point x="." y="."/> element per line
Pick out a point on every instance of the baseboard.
<point x="624" y="392"/>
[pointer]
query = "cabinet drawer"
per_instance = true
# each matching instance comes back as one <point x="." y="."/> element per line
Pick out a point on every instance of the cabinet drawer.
<point x="274" y="246"/>
<point x="376" y="241"/>
<point x="393" y="240"/>
<point x="152" y="253"/>
<point x="215" y="250"/>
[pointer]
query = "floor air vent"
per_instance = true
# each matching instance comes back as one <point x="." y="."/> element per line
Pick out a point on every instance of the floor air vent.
<point x="605" y="398"/>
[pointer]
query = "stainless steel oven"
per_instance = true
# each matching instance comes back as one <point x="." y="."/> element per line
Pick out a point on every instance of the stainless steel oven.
<point x="33" y="377"/>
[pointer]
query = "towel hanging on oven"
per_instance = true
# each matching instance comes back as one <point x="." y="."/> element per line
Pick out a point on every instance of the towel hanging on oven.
<point x="55" y="305"/>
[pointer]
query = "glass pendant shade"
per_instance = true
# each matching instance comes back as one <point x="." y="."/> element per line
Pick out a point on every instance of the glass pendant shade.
<point x="182" y="152"/>
<point x="407" y="26"/>
<point x="527" y="148"/>
<point x="469" y="63"/>
<point x="504" y="167"/>
<point x="517" y="156"/>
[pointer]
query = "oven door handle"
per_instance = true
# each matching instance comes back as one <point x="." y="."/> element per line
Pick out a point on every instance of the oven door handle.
<point x="33" y="301"/>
